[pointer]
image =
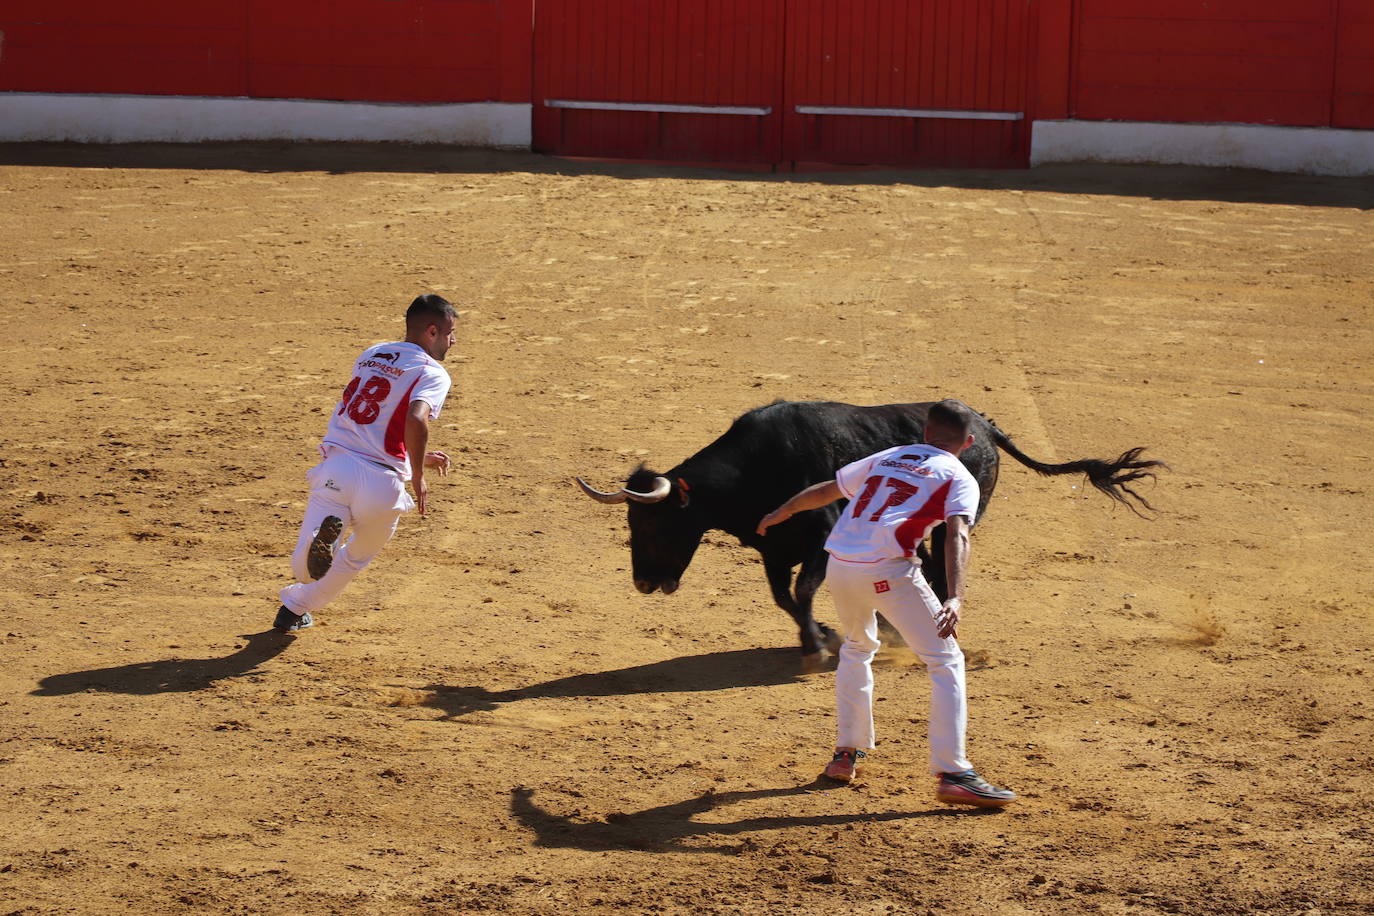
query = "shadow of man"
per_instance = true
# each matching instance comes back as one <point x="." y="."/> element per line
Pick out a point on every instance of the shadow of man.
<point x="664" y="827"/>
<point x="687" y="674"/>
<point x="173" y="675"/>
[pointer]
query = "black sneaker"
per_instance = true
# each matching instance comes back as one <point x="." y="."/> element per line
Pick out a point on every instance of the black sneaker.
<point x="321" y="555"/>
<point x="971" y="789"/>
<point x="288" y="621"/>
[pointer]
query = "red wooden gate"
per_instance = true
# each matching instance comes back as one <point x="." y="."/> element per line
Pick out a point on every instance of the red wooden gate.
<point x="923" y="83"/>
<point x="691" y="80"/>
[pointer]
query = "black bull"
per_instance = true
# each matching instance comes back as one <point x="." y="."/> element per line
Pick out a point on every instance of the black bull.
<point x="772" y="452"/>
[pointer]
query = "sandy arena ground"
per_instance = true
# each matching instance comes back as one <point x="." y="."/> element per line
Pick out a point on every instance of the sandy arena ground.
<point x="492" y="719"/>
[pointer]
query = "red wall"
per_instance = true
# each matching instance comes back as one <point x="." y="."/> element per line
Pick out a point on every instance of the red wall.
<point x="363" y="50"/>
<point x="1289" y="62"/>
<point x="1353" y="105"/>
<point x="141" y="46"/>
<point x="1292" y="62"/>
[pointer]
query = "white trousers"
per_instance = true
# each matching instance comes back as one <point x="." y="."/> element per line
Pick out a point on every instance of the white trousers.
<point x="897" y="589"/>
<point x="369" y="499"/>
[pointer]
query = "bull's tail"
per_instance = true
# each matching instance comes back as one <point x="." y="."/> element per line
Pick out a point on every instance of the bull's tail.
<point x="1111" y="477"/>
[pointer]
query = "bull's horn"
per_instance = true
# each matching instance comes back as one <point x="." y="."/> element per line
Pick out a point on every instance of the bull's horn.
<point x="662" y="486"/>
<point x="609" y="498"/>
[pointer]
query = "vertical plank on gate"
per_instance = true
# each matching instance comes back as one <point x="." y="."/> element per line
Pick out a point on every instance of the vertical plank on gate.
<point x="876" y="21"/>
<point x="1008" y="42"/>
<point x="937" y="47"/>
<point x="992" y="51"/>
<point x="613" y="51"/>
<point x="516" y="24"/>
<point x="572" y="68"/>
<point x="682" y="51"/>
<point x="798" y="48"/>
<point x="964" y="52"/>
<point x="918" y="58"/>
<point x="1052" y="31"/>
<point x="715" y="77"/>
<point x="1353" y="86"/>
<point x="598" y="82"/>
<point x="980" y="51"/>
<point x="772" y="58"/>
<point x="656" y="63"/>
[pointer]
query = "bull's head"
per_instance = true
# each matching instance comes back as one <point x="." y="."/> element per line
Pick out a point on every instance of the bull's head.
<point x="664" y="530"/>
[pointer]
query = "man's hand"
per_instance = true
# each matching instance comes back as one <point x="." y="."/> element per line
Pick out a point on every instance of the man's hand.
<point x="775" y="517"/>
<point x="948" y="619"/>
<point x="439" y="461"/>
<point x="417" y="447"/>
<point x="421" y="488"/>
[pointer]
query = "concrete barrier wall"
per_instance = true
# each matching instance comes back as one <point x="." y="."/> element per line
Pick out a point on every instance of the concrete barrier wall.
<point x="183" y="119"/>
<point x="1315" y="151"/>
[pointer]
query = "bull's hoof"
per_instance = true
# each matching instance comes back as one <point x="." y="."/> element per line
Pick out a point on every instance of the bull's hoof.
<point x="833" y="640"/>
<point x="815" y="662"/>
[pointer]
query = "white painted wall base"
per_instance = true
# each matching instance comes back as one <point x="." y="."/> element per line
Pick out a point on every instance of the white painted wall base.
<point x="33" y="116"/>
<point x="1307" y="150"/>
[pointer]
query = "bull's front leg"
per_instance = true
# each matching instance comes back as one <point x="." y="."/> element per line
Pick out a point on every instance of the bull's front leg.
<point x="934" y="567"/>
<point x="779" y="574"/>
<point x="809" y="580"/>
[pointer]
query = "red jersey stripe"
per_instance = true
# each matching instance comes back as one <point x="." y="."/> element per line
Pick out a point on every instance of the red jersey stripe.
<point x="910" y="532"/>
<point x="395" y="441"/>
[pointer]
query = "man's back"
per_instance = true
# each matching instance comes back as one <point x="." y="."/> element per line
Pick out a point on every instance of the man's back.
<point x="896" y="497"/>
<point x="369" y="419"/>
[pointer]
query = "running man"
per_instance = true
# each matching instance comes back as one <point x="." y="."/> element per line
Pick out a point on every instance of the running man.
<point x="377" y="439"/>
<point x="895" y="498"/>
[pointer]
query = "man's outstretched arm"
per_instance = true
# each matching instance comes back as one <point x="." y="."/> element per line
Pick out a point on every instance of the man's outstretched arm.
<point x="813" y="497"/>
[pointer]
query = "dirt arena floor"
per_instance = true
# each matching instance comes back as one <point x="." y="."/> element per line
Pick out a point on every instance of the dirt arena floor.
<point x="493" y="720"/>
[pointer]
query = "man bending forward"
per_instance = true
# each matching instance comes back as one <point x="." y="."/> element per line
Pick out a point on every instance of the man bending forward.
<point x="895" y="497"/>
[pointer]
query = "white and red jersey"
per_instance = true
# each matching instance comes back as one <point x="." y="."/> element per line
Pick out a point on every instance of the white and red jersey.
<point x="370" y="419"/>
<point x="895" y="498"/>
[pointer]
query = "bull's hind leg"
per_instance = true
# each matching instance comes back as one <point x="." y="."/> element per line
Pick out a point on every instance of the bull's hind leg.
<point x="933" y="563"/>
<point x="779" y="574"/>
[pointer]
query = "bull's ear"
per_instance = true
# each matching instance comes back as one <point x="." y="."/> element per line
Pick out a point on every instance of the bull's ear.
<point x="684" y="492"/>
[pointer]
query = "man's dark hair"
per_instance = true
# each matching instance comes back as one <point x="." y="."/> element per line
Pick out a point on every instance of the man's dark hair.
<point x="429" y="307"/>
<point x="950" y="414"/>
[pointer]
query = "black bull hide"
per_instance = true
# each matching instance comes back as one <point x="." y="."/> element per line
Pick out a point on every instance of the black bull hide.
<point x="772" y="452"/>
